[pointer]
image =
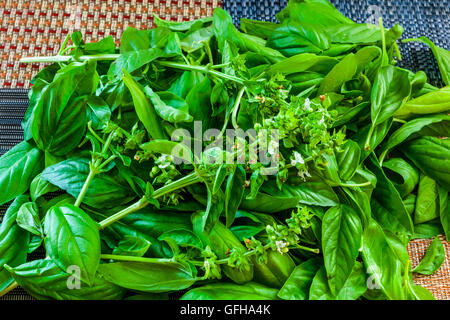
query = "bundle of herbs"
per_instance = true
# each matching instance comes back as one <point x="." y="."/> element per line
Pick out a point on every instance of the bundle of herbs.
<point x="288" y="161"/>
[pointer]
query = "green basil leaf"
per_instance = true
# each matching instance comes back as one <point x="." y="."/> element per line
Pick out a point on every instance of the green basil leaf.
<point x="344" y="71"/>
<point x="432" y="156"/>
<point x="356" y="284"/>
<point x="405" y="178"/>
<point x="184" y="238"/>
<point x="214" y="208"/>
<point x="387" y="266"/>
<point x="44" y="280"/>
<point x="433" y="259"/>
<point x="221" y="239"/>
<point x="220" y="177"/>
<point x="35" y="243"/>
<point x="104" y="191"/>
<point x="103" y="46"/>
<point x="308" y="11"/>
<point x="246" y="232"/>
<point x="133" y="60"/>
<point x="225" y="31"/>
<point x="256" y="181"/>
<point x="73" y="240"/>
<point x="348" y="114"/>
<point x="432" y="102"/>
<point x="348" y="159"/>
<point x="234" y="193"/>
<point x="339" y="49"/>
<point x="341" y="240"/>
<point x="359" y="201"/>
<point x="354" y="287"/>
<point x="297" y="285"/>
<point x="199" y="101"/>
<point x="387" y="205"/>
<point x="132" y="246"/>
<point x="444" y="209"/>
<point x="28" y="218"/>
<point x="379" y="134"/>
<point x="312" y="192"/>
<point x="390" y="91"/>
<point x="59" y="118"/>
<point x="275" y="270"/>
<point x="158" y="276"/>
<point x="144" y="110"/>
<point x="262" y="29"/>
<point x="408" y="129"/>
<point x="37" y="90"/>
<point x="134" y="40"/>
<point x="293" y="38"/>
<point x="13" y="241"/>
<point x="149" y="225"/>
<point x="427" y="202"/>
<point x="230" y="291"/>
<point x="421" y="293"/>
<point x="428" y="230"/>
<point x="303" y="62"/>
<point x="331" y="171"/>
<point x="195" y="40"/>
<point x="98" y="112"/>
<point x="364" y="33"/>
<point x="175" y="112"/>
<point x="40" y="187"/>
<point x="184" y="84"/>
<point x="148" y="296"/>
<point x="157" y="223"/>
<point x="410" y="204"/>
<point x="18" y="167"/>
<point x="220" y="99"/>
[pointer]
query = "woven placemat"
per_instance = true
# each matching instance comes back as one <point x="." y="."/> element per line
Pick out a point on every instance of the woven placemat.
<point x="29" y="28"/>
<point x="439" y="282"/>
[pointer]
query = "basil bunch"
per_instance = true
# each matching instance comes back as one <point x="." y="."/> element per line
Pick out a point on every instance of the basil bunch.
<point x="363" y="164"/>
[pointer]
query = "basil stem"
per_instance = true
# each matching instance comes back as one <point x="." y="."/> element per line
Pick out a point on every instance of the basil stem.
<point x="192" y="178"/>
<point x="96" y="167"/>
<point x="200" y="69"/>
<point x="51" y="59"/>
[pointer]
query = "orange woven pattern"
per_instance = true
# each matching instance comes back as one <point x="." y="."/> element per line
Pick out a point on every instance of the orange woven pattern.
<point x="439" y="282"/>
<point x="36" y="28"/>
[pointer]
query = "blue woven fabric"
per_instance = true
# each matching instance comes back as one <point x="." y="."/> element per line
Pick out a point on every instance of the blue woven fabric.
<point x="429" y="18"/>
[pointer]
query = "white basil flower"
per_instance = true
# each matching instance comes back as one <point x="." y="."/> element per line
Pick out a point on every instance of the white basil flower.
<point x="307" y="105"/>
<point x="297" y="159"/>
<point x="280" y="246"/>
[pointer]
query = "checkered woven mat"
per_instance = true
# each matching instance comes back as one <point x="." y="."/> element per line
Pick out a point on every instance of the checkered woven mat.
<point x="30" y="28"/>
